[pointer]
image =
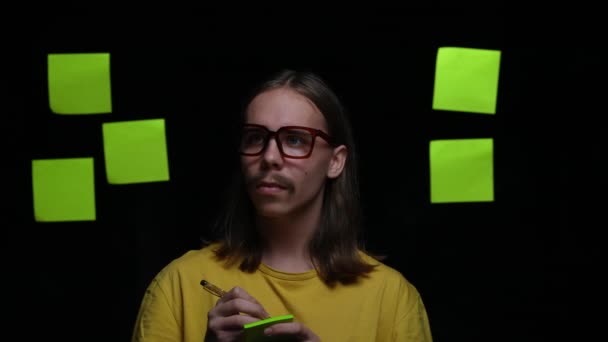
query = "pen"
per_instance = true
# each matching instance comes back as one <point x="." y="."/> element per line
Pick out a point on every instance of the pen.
<point x="217" y="291"/>
<point x="212" y="288"/>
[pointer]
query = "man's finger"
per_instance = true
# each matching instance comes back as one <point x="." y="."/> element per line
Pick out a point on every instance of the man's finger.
<point x="292" y="329"/>
<point x="234" y="323"/>
<point x="238" y="305"/>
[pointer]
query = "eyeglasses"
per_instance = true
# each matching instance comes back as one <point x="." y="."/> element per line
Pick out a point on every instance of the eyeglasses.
<point x="293" y="141"/>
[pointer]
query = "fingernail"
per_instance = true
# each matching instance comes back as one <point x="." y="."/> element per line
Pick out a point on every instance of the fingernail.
<point x="268" y="331"/>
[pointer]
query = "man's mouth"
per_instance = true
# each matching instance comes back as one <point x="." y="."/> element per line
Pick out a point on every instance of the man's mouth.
<point x="270" y="185"/>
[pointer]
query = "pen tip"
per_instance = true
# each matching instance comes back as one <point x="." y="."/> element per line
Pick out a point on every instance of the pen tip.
<point x="203" y="282"/>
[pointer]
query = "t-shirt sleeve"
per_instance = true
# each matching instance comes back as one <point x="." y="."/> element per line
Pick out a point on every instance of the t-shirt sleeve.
<point x="412" y="322"/>
<point x="156" y="320"/>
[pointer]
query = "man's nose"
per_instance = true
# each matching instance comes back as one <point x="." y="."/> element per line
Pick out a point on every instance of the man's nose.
<point x="272" y="154"/>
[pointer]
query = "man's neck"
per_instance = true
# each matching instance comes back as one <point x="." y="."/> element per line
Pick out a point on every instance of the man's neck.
<point x="286" y="241"/>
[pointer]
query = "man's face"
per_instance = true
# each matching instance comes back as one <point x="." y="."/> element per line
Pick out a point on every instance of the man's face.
<point x="300" y="181"/>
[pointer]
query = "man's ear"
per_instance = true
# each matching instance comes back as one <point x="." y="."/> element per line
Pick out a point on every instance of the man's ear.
<point x="337" y="162"/>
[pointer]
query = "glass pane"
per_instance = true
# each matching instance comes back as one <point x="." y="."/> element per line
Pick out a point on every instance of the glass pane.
<point x="296" y="142"/>
<point x="253" y="139"/>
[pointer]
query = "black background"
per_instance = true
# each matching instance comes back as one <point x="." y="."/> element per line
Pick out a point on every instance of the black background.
<point x="522" y="268"/>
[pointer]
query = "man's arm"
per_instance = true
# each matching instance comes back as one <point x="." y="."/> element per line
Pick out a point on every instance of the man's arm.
<point x="156" y="321"/>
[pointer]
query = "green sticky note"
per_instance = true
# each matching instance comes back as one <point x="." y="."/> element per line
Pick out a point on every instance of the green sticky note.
<point x="64" y="189"/>
<point x="254" y="332"/>
<point x="462" y="170"/>
<point x="466" y="80"/>
<point x="135" y="151"/>
<point x="79" y="83"/>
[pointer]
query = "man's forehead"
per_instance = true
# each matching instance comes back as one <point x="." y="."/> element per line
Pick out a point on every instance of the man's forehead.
<point x="284" y="107"/>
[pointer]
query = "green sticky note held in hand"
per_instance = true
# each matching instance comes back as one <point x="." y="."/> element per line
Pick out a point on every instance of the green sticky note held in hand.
<point x="254" y="332"/>
<point x="135" y="151"/>
<point x="64" y="189"/>
<point x="462" y="170"/>
<point x="79" y="83"/>
<point x="466" y="80"/>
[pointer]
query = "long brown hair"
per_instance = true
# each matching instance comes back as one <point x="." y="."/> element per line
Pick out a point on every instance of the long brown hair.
<point x="335" y="246"/>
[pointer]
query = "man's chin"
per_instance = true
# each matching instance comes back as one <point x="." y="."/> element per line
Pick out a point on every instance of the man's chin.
<point x="272" y="211"/>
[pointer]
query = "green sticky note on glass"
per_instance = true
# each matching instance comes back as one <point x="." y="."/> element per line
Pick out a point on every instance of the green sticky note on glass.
<point x="462" y="170"/>
<point x="466" y="80"/>
<point x="254" y="332"/>
<point x="79" y="83"/>
<point x="64" y="189"/>
<point x="135" y="151"/>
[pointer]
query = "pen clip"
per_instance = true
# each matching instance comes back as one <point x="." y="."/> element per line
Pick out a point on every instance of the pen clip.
<point x="214" y="290"/>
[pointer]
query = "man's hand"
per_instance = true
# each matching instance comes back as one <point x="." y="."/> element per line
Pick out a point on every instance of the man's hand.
<point x="298" y="331"/>
<point x="225" y="321"/>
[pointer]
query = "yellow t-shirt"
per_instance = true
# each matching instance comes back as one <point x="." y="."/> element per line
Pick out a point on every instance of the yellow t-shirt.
<point x="383" y="307"/>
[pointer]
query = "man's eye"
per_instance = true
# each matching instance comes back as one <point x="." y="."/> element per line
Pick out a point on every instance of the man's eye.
<point x="253" y="138"/>
<point x="294" y="140"/>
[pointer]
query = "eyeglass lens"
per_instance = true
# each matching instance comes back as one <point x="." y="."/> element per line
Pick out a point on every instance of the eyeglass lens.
<point x="294" y="142"/>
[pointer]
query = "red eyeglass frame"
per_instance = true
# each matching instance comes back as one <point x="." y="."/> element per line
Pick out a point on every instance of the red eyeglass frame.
<point x="274" y="134"/>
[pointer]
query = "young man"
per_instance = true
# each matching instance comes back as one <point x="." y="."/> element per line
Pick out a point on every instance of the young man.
<point x="289" y="238"/>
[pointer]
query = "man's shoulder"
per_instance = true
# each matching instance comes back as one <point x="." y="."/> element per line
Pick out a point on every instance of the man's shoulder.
<point x="204" y="255"/>
<point x="192" y="262"/>
<point x="385" y="273"/>
<point x="380" y="266"/>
